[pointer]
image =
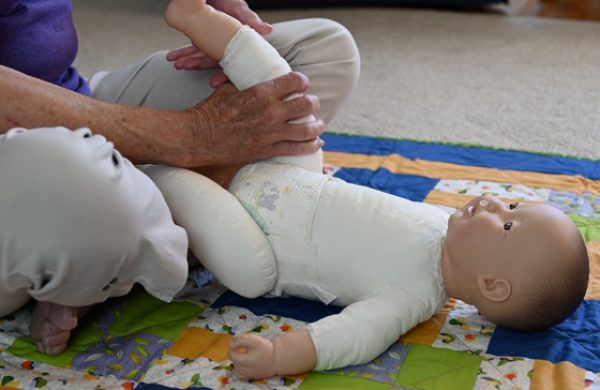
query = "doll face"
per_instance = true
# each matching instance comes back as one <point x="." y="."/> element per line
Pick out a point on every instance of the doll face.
<point x="488" y="235"/>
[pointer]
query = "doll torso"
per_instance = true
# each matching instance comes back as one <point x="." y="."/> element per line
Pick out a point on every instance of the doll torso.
<point x="341" y="243"/>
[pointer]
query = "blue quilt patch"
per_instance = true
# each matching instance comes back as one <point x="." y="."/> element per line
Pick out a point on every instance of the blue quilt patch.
<point x="576" y="340"/>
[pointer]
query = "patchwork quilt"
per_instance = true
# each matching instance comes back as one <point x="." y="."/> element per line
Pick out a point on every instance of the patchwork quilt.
<point x="138" y="342"/>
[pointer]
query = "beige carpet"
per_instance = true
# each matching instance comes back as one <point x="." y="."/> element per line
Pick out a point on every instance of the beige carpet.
<point x="510" y="82"/>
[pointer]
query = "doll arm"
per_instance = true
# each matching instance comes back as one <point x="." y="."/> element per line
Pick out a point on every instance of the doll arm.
<point x="357" y="335"/>
<point x="364" y="329"/>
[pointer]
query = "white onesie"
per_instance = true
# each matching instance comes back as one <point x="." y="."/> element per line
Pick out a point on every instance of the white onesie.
<point x="375" y="253"/>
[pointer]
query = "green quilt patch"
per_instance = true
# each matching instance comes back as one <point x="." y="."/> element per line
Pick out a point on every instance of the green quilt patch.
<point x="320" y="381"/>
<point x="426" y="367"/>
<point x="589" y="227"/>
<point x="138" y="313"/>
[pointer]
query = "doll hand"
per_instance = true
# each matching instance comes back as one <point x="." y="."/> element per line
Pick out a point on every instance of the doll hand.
<point x="252" y="357"/>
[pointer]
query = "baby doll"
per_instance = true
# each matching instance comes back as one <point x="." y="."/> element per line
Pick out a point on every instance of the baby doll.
<point x="283" y="229"/>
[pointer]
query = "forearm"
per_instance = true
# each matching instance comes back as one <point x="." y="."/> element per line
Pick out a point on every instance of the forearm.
<point x="294" y="353"/>
<point x="141" y="134"/>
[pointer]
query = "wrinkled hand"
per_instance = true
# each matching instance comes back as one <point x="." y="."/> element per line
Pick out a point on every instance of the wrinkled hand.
<point x="192" y="58"/>
<point x="242" y="127"/>
<point x="252" y="357"/>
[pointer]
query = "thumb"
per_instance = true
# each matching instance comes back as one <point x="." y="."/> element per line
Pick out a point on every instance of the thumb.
<point x="249" y="17"/>
<point x="261" y="27"/>
<point x="238" y="345"/>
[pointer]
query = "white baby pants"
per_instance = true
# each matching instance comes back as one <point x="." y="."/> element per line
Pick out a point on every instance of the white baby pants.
<point x="79" y="223"/>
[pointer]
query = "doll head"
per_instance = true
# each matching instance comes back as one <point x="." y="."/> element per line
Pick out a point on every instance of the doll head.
<point x="524" y="266"/>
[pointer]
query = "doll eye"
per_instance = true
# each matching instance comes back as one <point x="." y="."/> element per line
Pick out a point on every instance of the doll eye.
<point x="512" y="206"/>
<point x="507" y="226"/>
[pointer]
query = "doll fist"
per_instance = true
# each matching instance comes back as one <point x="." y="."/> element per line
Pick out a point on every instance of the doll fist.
<point x="252" y="357"/>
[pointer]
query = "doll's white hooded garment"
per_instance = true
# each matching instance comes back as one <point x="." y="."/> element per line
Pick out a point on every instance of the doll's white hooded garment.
<point x="377" y="254"/>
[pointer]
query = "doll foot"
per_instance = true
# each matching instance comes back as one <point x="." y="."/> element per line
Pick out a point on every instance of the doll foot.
<point x="51" y="326"/>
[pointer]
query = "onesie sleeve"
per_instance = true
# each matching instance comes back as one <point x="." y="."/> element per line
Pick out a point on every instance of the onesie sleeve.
<point x="364" y="329"/>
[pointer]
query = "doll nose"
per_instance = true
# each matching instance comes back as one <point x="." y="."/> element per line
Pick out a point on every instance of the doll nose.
<point x="492" y="204"/>
<point x="484" y="203"/>
<point x="488" y="203"/>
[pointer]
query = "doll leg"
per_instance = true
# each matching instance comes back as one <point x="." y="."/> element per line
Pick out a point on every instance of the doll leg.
<point x="250" y="59"/>
<point x="247" y="59"/>
<point x="222" y="235"/>
<point x="326" y="52"/>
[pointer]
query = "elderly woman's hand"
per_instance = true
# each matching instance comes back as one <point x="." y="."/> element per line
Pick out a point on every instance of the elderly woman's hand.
<point x="241" y="127"/>
<point x="229" y="127"/>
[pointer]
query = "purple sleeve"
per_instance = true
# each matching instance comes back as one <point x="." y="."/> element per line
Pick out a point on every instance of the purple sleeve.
<point x="8" y="6"/>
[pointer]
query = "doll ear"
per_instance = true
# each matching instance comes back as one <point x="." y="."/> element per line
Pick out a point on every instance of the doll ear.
<point x="496" y="290"/>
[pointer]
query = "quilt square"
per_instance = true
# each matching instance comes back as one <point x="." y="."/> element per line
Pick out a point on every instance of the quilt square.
<point x="576" y="340"/>
<point x="432" y="368"/>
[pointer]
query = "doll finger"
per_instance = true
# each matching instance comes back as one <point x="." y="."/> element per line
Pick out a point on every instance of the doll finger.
<point x="238" y="342"/>
<point x="249" y="17"/>
<point x="238" y="358"/>
<point x="260" y="27"/>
